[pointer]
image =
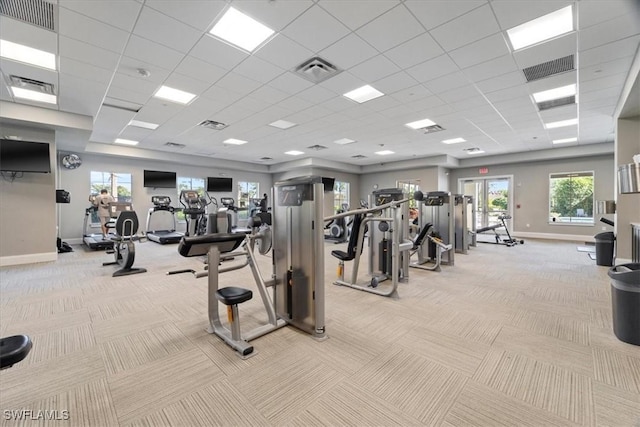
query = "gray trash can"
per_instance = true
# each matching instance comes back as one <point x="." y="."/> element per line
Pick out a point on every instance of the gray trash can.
<point x="604" y="248"/>
<point x="625" y="300"/>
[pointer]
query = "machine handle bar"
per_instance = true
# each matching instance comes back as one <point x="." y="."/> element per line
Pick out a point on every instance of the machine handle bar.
<point x="366" y="211"/>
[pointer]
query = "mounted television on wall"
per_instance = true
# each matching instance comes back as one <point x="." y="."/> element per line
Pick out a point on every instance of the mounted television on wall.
<point x="23" y="156"/>
<point x="220" y="185"/>
<point x="159" y="179"/>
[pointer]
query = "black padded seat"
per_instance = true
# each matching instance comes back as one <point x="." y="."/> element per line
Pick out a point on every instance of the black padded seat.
<point x="350" y="254"/>
<point x="199" y="245"/>
<point x="232" y="295"/>
<point x="489" y="228"/>
<point x="422" y="235"/>
<point x="14" y="349"/>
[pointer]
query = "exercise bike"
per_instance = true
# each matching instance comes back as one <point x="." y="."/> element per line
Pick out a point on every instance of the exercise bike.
<point x="124" y="248"/>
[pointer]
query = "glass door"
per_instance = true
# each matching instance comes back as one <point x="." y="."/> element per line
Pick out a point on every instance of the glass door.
<point x="492" y="198"/>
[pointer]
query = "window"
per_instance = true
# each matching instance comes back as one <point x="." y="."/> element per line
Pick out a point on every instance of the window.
<point x="186" y="183"/>
<point x="246" y="192"/>
<point x="118" y="185"/>
<point x="409" y="187"/>
<point x="340" y="195"/>
<point x="571" y="198"/>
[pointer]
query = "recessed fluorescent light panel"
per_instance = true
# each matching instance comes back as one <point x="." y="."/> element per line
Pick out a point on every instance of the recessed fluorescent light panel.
<point x="543" y="28"/>
<point x="363" y="94"/>
<point x="125" y="141"/>
<point x="240" y="30"/>
<point x="145" y="125"/>
<point x="343" y="141"/>
<point x="282" y="124"/>
<point x="564" y="141"/>
<point x="33" y="95"/>
<point x="28" y="55"/>
<point x="234" y="141"/>
<point x="561" y="123"/>
<point x="453" y="141"/>
<point x="420" y="124"/>
<point x="174" y="95"/>
<point x="294" y="153"/>
<point x="557" y="93"/>
<point x="384" y="152"/>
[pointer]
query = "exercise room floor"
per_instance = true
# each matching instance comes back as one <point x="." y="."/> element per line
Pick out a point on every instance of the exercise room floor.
<point x="507" y="336"/>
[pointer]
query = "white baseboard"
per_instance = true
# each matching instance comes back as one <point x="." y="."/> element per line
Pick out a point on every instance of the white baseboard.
<point x="28" y="259"/>
<point x="553" y="236"/>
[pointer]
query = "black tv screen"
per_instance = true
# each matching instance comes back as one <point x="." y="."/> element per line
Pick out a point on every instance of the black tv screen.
<point x="159" y="179"/>
<point x="221" y="185"/>
<point x="23" y="156"/>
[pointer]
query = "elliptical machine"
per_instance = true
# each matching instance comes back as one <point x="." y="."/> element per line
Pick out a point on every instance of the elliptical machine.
<point x="194" y="209"/>
<point x="229" y="205"/>
<point x="124" y="248"/>
<point x="339" y="228"/>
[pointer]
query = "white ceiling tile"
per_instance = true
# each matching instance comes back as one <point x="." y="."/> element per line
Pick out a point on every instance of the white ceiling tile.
<point x="337" y="104"/>
<point x="215" y="52"/>
<point x="237" y="83"/>
<point x="433" y="68"/>
<point x="411" y="94"/>
<point x="80" y="27"/>
<point x="117" y="13"/>
<point x="294" y="104"/>
<point x="187" y="84"/>
<point x="347" y="52"/>
<point x="553" y="49"/>
<point x="86" y="99"/>
<point x="434" y="13"/>
<point x="75" y="68"/>
<point x="195" y="13"/>
<point x="466" y="29"/>
<point x="609" y="31"/>
<point x="472" y="106"/>
<point x="269" y="94"/>
<point x="258" y="70"/>
<point x="374" y="69"/>
<point x="135" y="84"/>
<point x="284" y="52"/>
<point x="220" y="95"/>
<point x="316" y="29"/>
<point x="290" y="83"/>
<point x="414" y="51"/>
<point x="513" y="13"/>
<point x="519" y="92"/>
<point x="450" y="81"/>
<point x="405" y="27"/>
<point x="316" y="94"/>
<point x="121" y="95"/>
<point x="160" y="28"/>
<point x="356" y="13"/>
<point x="594" y="12"/>
<point x="609" y="68"/>
<point x="28" y="35"/>
<point x="492" y="68"/>
<point x="342" y="83"/>
<point x="483" y="50"/>
<point x="200" y="70"/>
<point x="615" y="50"/>
<point x="396" y="82"/>
<point x="502" y="81"/>
<point x="459" y="94"/>
<point x="274" y="14"/>
<point x="152" y="53"/>
<point x="552" y="82"/>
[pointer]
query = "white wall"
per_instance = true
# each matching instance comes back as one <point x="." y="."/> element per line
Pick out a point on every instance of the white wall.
<point x="77" y="182"/>
<point x="28" y="208"/>
<point x="429" y="179"/>
<point x="627" y="205"/>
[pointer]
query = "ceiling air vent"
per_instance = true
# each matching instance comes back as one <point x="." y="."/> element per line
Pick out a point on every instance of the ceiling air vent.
<point x="549" y="68"/>
<point x="212" y="124"/>
<point x="174" y="145"/>
<point x="546" y="105"/>
<point x="317" y="147"/>
<point x="265" y="159"/>
<point x="31" y="84"/>
<point x="431" y="129"/>
<point x="472" y="150"/>
<point x="358" y="156"/>
<point x="316" y="70"/>
<point x="34" y="12"/>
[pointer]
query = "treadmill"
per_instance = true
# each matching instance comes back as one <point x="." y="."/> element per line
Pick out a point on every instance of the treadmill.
<point x="93" y="240"/>
<point x="162" y="206"/>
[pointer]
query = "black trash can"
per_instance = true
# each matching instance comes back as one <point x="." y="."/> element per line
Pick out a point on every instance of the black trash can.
<point x="604" y="248"/>
<point x="625" y="300"/>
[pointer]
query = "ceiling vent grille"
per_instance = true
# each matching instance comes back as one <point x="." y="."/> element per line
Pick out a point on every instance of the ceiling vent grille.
<point x="546" y="105"/>
<point x="431" y="129"/>
<point x="472" y="150"/>
<point x="317" y="147"/>
<point x="265" y="159"/>
<point x="316" y="70"/>
<point x="174" y="145"/>
<point x="31" y="84"/>
<point x="34" y="12"/>
<point x="212" y="124"/>
<point x="358" y="156"/>
<point x="549" y="68"/>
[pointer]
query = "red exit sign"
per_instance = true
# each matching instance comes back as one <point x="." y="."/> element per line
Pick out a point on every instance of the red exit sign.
<point x="483" y="171"/>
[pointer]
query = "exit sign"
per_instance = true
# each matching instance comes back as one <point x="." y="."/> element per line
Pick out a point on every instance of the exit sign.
<point x="483" y="171"/>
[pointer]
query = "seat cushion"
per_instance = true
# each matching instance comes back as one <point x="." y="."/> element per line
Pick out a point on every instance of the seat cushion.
<point x="13" y="349"/>
<point x="342" y="255"/>
<point x="232" y="295"/>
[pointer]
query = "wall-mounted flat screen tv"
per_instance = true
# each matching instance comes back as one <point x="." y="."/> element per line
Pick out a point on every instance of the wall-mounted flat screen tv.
<point x="220" y="185"/>
<point x="23" y="156"/>
<point x="159" y="179"/>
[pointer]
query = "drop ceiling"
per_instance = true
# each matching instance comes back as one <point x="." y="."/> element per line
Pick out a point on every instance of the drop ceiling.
<point x="448" y="61"/>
